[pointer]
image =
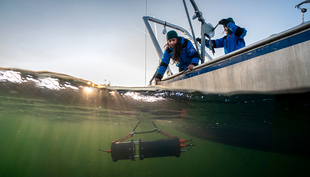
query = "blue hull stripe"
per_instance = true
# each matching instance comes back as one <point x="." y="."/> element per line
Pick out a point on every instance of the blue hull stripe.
<point x="293" y="40"/>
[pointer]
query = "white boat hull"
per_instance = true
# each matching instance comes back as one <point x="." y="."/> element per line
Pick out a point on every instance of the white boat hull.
<point x="278" y="64"/>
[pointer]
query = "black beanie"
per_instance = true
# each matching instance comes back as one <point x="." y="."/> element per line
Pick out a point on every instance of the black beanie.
<point x="172" y="34"/>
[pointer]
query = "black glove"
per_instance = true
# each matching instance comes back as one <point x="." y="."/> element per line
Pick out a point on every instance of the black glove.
<point x="223" y="22"/>
<point x="198" y="40"/>
<point x="159" y="76"/>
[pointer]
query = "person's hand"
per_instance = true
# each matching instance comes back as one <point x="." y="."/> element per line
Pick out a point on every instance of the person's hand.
<point x="223" y="22"/>
<point x="198" y="40"/>
<point x="156" y="80"/>
<point x="190" y="67"/>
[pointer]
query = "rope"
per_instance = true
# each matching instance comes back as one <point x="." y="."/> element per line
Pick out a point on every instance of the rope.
<point x="166" y="134"/>
<point x="122" y="139"/>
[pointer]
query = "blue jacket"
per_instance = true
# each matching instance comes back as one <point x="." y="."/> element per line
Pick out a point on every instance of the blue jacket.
<point x="231" y="42"/>
<point x="188" y="56"/>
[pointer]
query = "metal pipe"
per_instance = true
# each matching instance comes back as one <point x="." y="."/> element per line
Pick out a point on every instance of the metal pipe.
<point x="194" y="38"/>
<point x="154" y="40"/>
<point x="198" y="13"/>
<point x="194" y="5"/>
<point x="148" y="18"/>
<point x="203" y="40"/>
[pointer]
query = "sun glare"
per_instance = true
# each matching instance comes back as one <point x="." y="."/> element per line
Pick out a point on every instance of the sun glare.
<point x="144" y="98"/>
<point x="87" y="89"/>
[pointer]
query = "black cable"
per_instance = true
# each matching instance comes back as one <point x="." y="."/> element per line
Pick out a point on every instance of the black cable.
<point x="154" y="125"/>
<point x="136" y="126"/>
<point x="146" y="132"/>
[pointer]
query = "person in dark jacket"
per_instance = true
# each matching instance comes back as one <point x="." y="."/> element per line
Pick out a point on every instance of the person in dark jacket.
<point x="234" y="38"/>
<point x="181" y="51"/>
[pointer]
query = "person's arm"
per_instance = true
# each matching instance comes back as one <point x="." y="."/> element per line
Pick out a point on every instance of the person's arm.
<point x="162" y="66"/>
<point x="193" y="54"/>
<point x="239" y="32"/>
<point x="217" y="43"/>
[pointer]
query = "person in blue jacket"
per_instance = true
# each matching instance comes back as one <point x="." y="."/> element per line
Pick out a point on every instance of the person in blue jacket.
<point x="234" y="38"/>
<point x="181" y="51"/>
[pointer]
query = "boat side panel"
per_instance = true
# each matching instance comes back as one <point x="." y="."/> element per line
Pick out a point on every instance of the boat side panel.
<point x="281" y="65"/>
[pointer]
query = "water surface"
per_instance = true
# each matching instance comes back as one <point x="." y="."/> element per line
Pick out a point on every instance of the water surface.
<point x="54" y="126"/>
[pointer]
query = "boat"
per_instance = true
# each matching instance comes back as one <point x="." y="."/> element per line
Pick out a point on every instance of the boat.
<point x="277" y="64"/>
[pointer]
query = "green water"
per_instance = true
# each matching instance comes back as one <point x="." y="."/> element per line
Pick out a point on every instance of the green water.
<point x="46" y="132"/>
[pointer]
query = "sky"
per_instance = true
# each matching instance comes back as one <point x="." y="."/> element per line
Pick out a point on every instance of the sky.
<point x="105" y="41"/>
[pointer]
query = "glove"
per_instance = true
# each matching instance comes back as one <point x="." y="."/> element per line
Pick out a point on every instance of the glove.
<point x="223" y="22"/>
<point x="198" y="40"/>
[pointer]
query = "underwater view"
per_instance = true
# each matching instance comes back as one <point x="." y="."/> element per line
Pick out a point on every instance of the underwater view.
<point x="51" y="125"/>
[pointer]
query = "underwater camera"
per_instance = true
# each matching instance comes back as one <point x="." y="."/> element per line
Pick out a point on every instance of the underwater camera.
<point x="147" y="149"/>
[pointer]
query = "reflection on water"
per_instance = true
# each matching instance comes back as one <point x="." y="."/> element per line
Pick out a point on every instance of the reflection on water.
<point x="53" y="125"/>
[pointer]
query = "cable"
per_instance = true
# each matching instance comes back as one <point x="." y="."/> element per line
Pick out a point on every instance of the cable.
<point x="145" y="46"/>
